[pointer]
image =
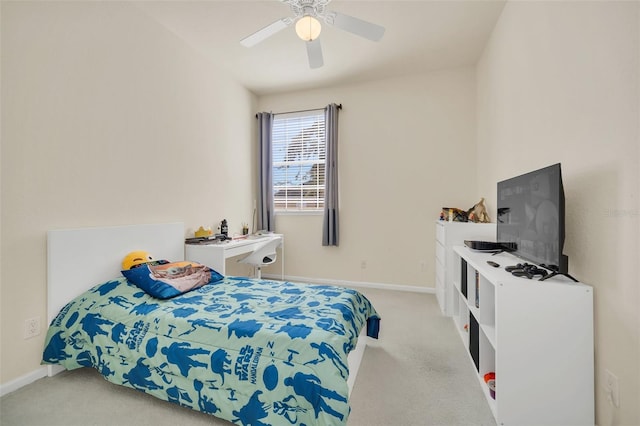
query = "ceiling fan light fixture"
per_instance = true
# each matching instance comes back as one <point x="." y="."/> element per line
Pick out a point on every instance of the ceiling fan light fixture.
<point x="308" y="28"/>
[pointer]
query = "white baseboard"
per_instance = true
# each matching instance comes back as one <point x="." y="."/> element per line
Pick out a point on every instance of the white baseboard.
<point x="23" y="381"/>
<point x="344" y="283"/>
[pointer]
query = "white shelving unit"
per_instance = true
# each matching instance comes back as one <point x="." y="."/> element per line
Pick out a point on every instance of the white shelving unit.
<point x="449" y="235"/>
<point x="536" y="336"/>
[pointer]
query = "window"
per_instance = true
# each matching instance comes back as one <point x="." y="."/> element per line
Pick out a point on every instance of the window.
<point x="298" y="144"/>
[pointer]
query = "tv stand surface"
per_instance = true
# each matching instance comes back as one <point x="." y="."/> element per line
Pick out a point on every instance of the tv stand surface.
<point x="536" y="336"/>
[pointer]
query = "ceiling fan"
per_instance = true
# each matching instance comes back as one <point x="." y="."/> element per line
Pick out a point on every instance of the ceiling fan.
<point x="306" y="16"/>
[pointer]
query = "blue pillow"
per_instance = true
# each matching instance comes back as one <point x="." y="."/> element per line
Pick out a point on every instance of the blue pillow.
<point x="167" y="280"/>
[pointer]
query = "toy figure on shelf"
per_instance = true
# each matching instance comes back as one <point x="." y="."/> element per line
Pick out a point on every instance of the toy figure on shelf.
<point x="478" y="213"/>
<point x="453" y="214"/>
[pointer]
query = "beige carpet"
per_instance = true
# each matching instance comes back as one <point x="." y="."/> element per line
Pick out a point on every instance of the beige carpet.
<point x="417" y="373"/>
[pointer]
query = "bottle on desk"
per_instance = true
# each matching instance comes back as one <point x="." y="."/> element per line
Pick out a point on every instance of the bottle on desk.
<point x="224" y="228"/>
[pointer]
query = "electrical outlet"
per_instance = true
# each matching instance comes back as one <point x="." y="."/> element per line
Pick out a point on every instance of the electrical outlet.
<point x="31" y="327"/>
<point x="611" y="388"/>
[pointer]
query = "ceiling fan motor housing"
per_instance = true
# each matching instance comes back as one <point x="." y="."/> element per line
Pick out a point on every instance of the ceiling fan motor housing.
<point x="301" y="8"/>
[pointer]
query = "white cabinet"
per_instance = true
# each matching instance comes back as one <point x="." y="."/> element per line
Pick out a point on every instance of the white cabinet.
<point x="536" y="336"/>
<point x="448" y="235"/>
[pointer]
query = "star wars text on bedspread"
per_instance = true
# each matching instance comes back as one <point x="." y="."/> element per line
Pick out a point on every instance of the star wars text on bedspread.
<point x="254" y="352"/>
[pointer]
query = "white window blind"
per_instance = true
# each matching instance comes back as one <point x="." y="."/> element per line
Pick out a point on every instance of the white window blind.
<point x="298" y="149"/>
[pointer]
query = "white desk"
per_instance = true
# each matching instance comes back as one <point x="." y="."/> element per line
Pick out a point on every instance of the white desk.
<point x="215" y="254"/>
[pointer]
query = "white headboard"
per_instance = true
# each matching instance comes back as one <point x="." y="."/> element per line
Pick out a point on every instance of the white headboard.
<point x="78" y="259"/>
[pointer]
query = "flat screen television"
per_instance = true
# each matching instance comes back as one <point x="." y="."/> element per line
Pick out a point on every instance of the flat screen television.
<point x="531" y="215"/>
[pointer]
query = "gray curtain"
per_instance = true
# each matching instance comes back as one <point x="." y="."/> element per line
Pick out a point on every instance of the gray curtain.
<point x="330" y="228"/>
<point x="265" y="179"/>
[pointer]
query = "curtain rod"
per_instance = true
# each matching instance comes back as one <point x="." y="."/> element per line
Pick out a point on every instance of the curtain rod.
<point x="302" y="110"/>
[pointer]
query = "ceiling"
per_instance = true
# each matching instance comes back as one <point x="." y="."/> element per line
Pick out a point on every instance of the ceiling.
<point x="421" y="36"/>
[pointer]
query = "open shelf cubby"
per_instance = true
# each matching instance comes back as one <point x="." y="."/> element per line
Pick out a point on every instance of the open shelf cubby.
<point x="536" y="337"/>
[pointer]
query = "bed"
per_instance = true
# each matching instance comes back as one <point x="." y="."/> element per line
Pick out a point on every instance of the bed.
<point x="253" y="352"/>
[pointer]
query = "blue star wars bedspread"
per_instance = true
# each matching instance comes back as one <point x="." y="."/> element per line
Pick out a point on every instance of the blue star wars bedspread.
<point x="254" y="352"/>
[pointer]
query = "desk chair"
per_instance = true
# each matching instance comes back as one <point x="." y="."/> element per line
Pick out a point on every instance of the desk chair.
<point x="264" y="254"/>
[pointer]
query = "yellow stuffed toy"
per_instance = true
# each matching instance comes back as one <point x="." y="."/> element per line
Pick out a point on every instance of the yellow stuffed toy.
<point x="136" y="258"/>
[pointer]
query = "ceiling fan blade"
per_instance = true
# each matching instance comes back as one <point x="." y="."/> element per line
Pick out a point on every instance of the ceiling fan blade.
<point x="314" y="52"/>
<point x="266" y="32"/>
<point x="356" y="26"/>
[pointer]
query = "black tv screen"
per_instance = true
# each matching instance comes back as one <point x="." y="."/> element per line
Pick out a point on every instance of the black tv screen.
<point x="531" y="215"/>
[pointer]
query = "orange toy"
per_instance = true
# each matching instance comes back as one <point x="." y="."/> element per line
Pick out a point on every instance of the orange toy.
<point x="135" y="258"/>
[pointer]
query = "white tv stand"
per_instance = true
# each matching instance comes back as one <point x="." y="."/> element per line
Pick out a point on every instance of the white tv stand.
<point x="537" y="336"/>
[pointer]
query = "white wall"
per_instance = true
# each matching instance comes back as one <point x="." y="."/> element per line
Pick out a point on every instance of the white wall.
<point x="406" y="149"/>
<point x="107" y="119"/>
<point x="559" y="82"/>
